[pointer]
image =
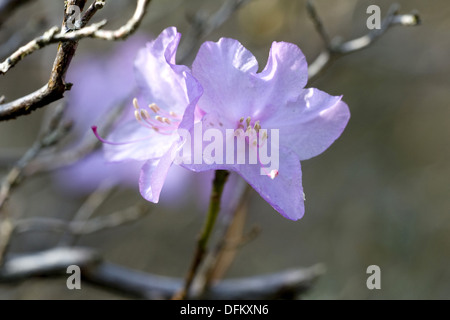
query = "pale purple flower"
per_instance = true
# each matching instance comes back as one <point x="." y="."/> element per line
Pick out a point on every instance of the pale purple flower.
<point x="102" y="82"/>
<point x="168" y="99"/>
<point x="237" y="96"/>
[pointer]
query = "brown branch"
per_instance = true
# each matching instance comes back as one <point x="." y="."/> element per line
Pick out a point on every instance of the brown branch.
<point x="91" y="11"/>
<point x="336" y="49"/>
<point x="56" y="86"/>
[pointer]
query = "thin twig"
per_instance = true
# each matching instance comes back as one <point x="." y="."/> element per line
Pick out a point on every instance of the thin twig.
<point x="201" y="27"/>
<point x="91" y="11"/>
<point x="50" y="137"/>
<point x="56" y="86"/>
<point x="318" y="24"/>
<point x="81" y="228"/>
<point x="54" y="132"/>
<point x="335" y="49"/>
<point x="88" y="144"/>
<point x="87" y="209"/>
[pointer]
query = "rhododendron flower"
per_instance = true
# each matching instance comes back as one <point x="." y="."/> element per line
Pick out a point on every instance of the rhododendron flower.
<point x="102" y="85"/>
<point x="269" y="110"/>
<point x="169" y="96"/>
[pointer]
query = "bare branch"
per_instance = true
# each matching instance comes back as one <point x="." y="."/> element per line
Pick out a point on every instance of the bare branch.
<point x="87" y="145"/>
<point x="53" y="133"/>
<point x="50" y="262"/>
<point x="50" y="137"/>
<point x="281" y="285"/>
<point x="90" y="12"/>
<point x="56" y="86"/>
<point x="318" y="24"/>
<point x="127" y="29"/>
<point x="201" y="27"/>
<point x="87" y="209"/>
<point x="113" y="220"/>
<point x="335" y="49"/>
<point x="286" y="284"/>
<point x="79" y="228"/>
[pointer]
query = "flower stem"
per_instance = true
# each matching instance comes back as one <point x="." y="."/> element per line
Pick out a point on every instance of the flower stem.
<point x="220" y="179"/>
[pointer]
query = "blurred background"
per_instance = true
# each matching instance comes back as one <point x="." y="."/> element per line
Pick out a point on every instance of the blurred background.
<point x="379" y="196"/>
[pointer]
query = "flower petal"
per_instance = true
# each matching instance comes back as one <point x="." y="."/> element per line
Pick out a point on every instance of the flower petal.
<point x="111" y="80"/>
<point x="285" y="192"/>
<point x="153" y="174"/>
<point x="285" y="75"/>
<point x="92" y="171"/>
<point x="162" y="82"/>
<point x="311" y="124"/>
<point x="136" y="142"/>
<point x="226" y="71"/>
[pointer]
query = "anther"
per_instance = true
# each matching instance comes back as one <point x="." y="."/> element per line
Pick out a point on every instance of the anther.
<point x="257" y="126"/>
<point x="137" y="115"/>
<point x="160" y="119"/>
<point x="248" y="121"/>
<point x="264" y="136"/>
<point x="154" y="108"/>
<point x="144" y="114"/>
<point x="135" y="104"/>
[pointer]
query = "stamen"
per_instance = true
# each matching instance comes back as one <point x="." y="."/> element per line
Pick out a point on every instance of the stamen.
<point x="248" y="121"/>
<point x="154" y="108"/>
<point x="241" y="120"/>
<point x="166" y="120"/>
<point x="144" y="114"/>
<point x="257" y="126"/>
<point x="94" y="129"/>
<point x="159" y="118"/>
<point x="135" y="104"/>
<point x="137" y="115"/>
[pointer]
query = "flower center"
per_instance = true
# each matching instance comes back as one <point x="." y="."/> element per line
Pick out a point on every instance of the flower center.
<point x="163" y="122"/>
<point x="256" y="138"/>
